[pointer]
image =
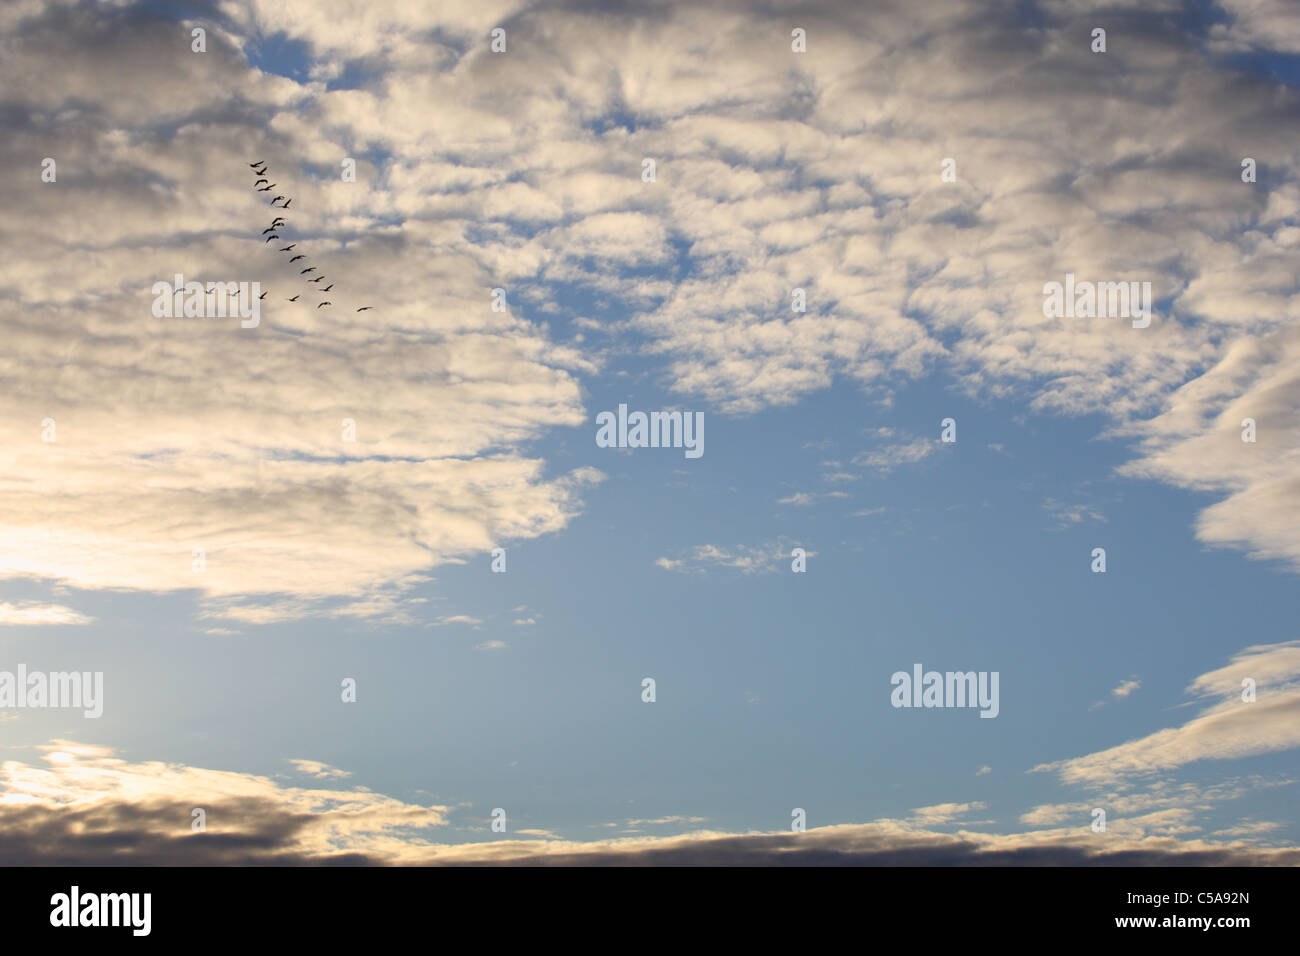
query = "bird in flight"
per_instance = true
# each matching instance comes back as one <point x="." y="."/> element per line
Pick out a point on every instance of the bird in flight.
<point x="269" y="229"/>
<point x="328" y="287"/>
<point x="298" y="256"/>
<point x="263" y="295"/>
<point x="317" y="279"/>
<point x="278" y="219"/>
<point x="256" y="164"/>
<point x="270" y="237"/>
<point x="308" y="269"/>
<point x="276" y="200"/>
<point x="365" y="307"/>
<point x="295" y="298"/>
<point x="259" y="182"/>
<point x="289" y="248"/>
<point x="267" y="189"/>
<point x="286" y="203"/>
<point x="323" y="304"/>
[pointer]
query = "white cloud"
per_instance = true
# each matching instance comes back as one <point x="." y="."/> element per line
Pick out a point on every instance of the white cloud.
<point x="1068" y="515"/>
<point x="473" y="622"/>
<point x="36" y="613"/>
<point x="942" y="813"/>
<point x="184" y="434"/>
<point x="1196" y="443"/>
<point x="748" y="559"/>
<point x="1126" y="687"/>
<point x="1129" y="801"/>
<point x="1256" y="25"/>
<point x="130" y="809"/>
<point x="799" y="498"/>
<point x="322" y="771"/>
<point x="1228" y="728"/>
<point x="99" y="786"/>
<point x="890" y="457"/>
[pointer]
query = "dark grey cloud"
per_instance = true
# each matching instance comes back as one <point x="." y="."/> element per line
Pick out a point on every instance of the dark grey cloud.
<point x="156" y="833"/>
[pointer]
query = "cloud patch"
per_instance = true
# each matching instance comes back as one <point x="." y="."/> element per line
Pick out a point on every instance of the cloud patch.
<point x="1230" y="727"/>
<point x="86" y="806"/>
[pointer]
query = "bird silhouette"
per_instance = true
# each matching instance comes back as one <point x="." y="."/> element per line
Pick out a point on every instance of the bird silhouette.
<point x="286" y="203"/>
<point x="256" y="164"/>
<point x="269" y="229"/>
<point x="267" y="189"/>
<point x="317" y="279"/>
<point x="289" y="248"/>
<point x="269" y="238"/>
<point x="328" y="287"/>
<point x="295" y="298"/>
<point x="276" y="200"/>
<point x="365" y="307"/>
<point x="259" y="182"/>
<point x="263" y="295"/>
<point x="298" y="256"/>
<point x="323" y="304"/>
<point x="308" y="269"/>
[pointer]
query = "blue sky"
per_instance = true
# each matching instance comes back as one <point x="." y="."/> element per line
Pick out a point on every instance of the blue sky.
<point x="522" y="690"/>
<point x="772" y="688"/>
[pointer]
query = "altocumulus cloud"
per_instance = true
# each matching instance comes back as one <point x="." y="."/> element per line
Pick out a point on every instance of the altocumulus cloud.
<point x="824" y="175"/>
<point x="174" y="435"/>
<point x="821" y="175"/>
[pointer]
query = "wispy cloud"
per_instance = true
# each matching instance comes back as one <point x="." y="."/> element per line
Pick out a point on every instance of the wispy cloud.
<point x="942" y="813"/>
<point x="1125" y="688"/>
<point x="466" y="619"/>
<point x="1229" y="728"/>
<point x="1069" y="515"/>
<point x="36" y="613"/>
<point x="890" y="457"/>
<point x="322" y="771"/>
<point x="748" y="559"/>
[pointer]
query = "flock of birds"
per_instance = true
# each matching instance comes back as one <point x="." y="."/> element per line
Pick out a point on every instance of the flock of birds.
<point x="278" y="223"/>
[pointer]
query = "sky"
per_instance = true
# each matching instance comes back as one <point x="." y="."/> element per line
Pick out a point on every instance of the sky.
<point x="368" y="587"/>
